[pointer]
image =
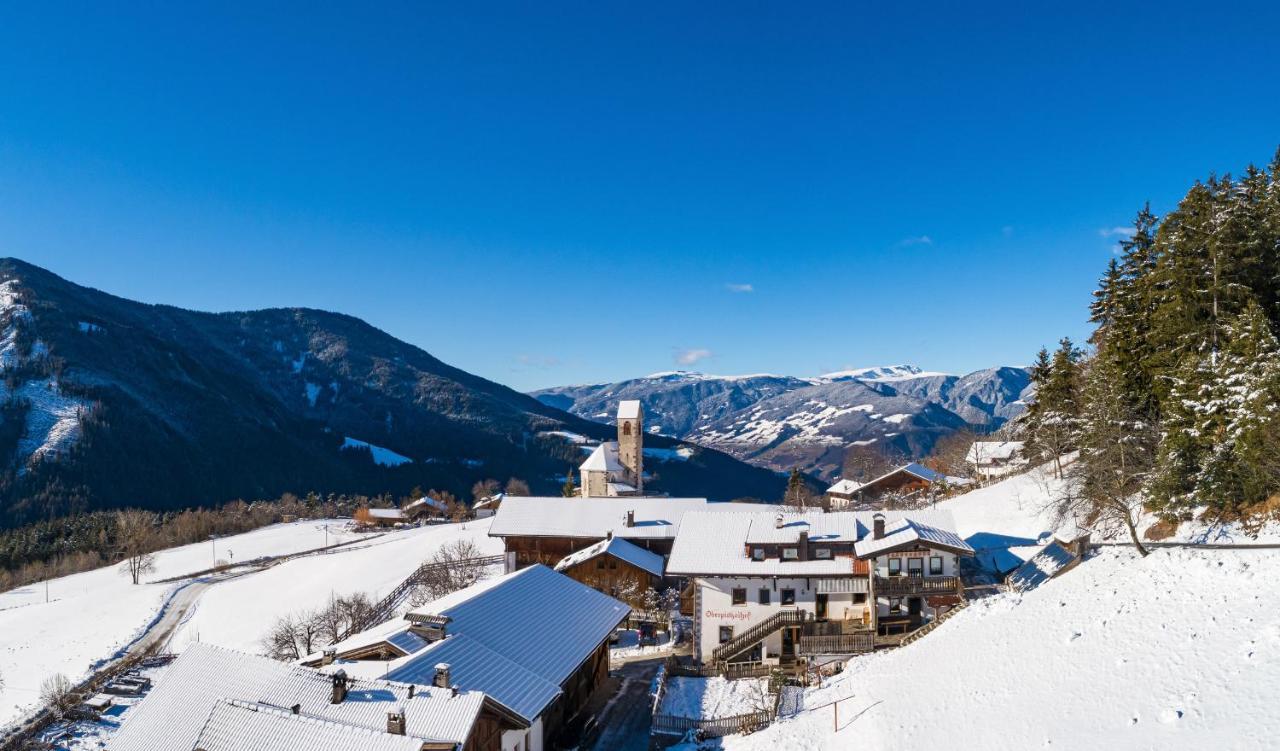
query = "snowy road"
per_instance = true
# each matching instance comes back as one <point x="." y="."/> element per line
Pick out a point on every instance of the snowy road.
<point x="626" y="720"/>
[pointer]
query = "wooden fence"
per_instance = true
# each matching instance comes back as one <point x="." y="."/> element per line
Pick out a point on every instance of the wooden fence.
<point x="719" y="726"/>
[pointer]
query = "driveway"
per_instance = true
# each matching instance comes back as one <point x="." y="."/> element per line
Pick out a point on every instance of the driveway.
<point x="625" y="720"/>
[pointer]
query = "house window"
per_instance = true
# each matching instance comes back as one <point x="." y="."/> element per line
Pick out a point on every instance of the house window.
<point x="757" y="554"/>
<point x="895" y="605"/>
<point x="895" y="566"/>
<point x="763" y="596"/>
<point x="788" y="597"/>
<point x="600" y="563"/>
<point x="859" y="597"/>
<point x="935" y="565"/>
<point x="790" y="554"/>
<point x="613" y="563"/>
<point x="822" y="553"/>
<point x="626" y="428"/>
<point x="915" y="566"/>
<point x="739" y="596"/>
<point x="726" y="633"/>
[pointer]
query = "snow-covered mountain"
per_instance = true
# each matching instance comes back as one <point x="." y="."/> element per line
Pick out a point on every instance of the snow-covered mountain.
<point x="782" y="422"/>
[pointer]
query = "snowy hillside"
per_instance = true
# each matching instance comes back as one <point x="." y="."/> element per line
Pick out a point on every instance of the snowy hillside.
<point x="1180" y="650"/>
<point x="91" y="616"/>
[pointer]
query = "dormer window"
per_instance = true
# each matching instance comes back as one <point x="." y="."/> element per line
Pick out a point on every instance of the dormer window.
<point x="790" y="554"/>
<point x="822" y="552"/>
<point x="757" y="554"/>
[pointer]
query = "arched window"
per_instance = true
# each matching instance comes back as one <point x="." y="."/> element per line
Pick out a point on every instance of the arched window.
<point x="626" y="428"/>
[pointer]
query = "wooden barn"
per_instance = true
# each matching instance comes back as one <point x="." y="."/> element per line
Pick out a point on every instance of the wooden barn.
<point x="615" y="567"/>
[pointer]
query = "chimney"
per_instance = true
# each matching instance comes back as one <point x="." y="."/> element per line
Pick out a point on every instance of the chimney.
<point x="804" y="545"/>
<point x="608" y="535"/>
<point x="339" y="687"/>
<point x="395" y="721"/>
<point x="877" y="524"/>
<point x="412" y="690"/>
<point x="453" y="690"/>
<point x="442" y="675"/>
<point x="631" y="517"/>
<point x="777" y="522"/>
<point x="329" y="656"/>
<point x="296" y="709"/>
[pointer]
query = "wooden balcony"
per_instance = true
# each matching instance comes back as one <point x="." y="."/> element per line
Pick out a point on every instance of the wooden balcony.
<point x="842" y="644"/>
<point x="897" y="586"/>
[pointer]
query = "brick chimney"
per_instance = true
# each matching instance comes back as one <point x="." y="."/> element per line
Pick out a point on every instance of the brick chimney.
<point x="877" y="525"/>
<point x="395" y="721"/>
<point x="442" y="675"/>
<point x="329" y="656"/>
<point x="339" y="687"/>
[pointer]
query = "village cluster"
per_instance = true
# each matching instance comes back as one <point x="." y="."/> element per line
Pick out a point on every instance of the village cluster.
<point x="517" y="661"/>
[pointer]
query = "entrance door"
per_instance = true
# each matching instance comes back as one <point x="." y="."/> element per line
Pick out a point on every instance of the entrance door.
<point x="788" y="643"/>
<point x="820" y="607"/>
<point x="915" y="608"/>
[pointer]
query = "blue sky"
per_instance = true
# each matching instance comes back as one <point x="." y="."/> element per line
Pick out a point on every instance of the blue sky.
<point x="563" y="193"/>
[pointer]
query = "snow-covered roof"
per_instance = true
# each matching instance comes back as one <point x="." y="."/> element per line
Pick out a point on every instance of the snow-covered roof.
<point x="427" y="501"/>
<point x="922" y="472"/>
<point x="603" y="459"/>
<point x="628" y="409"/>
<point x="1041" y="567"/>
<point x="516" y="637"/>
<point x="385" y="513"/>
<point x="175" y="712"/>
<point x="488" y="501"/>
<point x="595" y="518"/>
<point x="982" y="452"/>
<point x="913" y="530"/>
<point x="620" y="549"/>
<point x="844" y="487"/>
<point x="250" y="726"/>
<point x="718" y="543"/>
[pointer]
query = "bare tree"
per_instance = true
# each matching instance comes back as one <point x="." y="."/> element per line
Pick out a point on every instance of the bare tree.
<point x="135" y="531"/>
<point x="950" y="454"/>
<point x="57" y="694"/>
<point x="293" y="637"/>
<point x="517" y="487"/>
<point x="869" y="461"/>
<point x="456" y="568"/>
<point x="483" y="489"/>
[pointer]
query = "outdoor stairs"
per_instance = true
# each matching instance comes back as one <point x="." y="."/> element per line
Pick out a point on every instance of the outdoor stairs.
<point x="386" y="607"/>
<point x="745" y="640"/>
<point x="931" y="625"/>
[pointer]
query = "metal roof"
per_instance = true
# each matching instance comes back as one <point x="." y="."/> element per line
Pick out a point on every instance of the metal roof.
<point x="535" y="619"/>
<point x="603" y="459"/>
<point x="620" y="549"/>
<point x="912" y="531"/>
<point x="1041" y="567"/>
<point x="595" y="518"/>
<point x="245" y="726"/>
<point x="176" y="710"/>
<point x="628" y="409"/>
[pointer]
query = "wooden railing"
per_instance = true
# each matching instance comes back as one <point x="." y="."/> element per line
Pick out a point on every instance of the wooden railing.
<point x="744" y="641"/>
<point x="384" y="608"/>
<point x="714" y="728"/>
<point x="918" y="585"/>
<point x="843" y="644"/>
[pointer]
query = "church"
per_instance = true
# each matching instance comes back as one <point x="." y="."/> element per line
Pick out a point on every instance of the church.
<point x="616" y="468"/>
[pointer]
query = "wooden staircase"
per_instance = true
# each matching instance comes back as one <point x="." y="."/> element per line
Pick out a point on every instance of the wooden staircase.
<point x="931" y="625"/>
<point x="745" y="640"/>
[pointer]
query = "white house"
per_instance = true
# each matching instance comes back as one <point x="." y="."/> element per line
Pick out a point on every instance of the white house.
<point x="771" y="588"/>
<point x="534" y="642"/>
<point x="616" y="468"/>
<point x="991" y="459"/>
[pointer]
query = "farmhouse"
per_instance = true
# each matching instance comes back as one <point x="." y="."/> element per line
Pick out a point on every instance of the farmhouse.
<point x="426" y="507"/>
<point x="774" y="588"/>
<point x="545" y="530"/>
<point x="215" y="699"/>
<point x="991" y="459"/>
<point x="381" y="517"/>
<point x="535" y="643"/>
<point x="902" y="485"/>
<point x="616" y="468"/>
<point x="615" y="567"/>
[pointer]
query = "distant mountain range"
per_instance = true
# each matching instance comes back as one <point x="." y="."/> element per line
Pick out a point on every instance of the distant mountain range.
<point x="780" y="422"/>
<point x="107" y="402"/>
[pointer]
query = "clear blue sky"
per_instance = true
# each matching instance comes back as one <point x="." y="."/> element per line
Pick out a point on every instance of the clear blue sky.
<point x="546" y="193"/>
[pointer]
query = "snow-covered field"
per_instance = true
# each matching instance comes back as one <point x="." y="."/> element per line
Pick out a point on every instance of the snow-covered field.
<point x="237" y="613"/>
<point x="93" y="615"/>
<point x="1180" y="650"/>
<point x="715" y="698"/>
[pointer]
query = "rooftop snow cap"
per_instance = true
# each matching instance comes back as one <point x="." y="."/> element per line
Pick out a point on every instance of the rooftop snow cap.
<point x="442" y="675"/>
<point x="877" y="523"/>
<point x="777" y="522"/>
<point x="629" y="409"/>
<point x="395" y="720"/>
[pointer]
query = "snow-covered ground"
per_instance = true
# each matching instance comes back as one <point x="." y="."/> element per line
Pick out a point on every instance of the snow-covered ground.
<point x="628" y="645"/>
<point x="93" y="615"/>
<point x="1179" y="650"/>
<point x="237" y="613"/>
<point x="715" y="698"/>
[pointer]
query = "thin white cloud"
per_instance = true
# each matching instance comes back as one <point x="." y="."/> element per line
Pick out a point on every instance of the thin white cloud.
<point x="691" y="356"/>
<point x="1116" y="232"/>
<point x="732" y="287"/>
<point x="917" y="240"/>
